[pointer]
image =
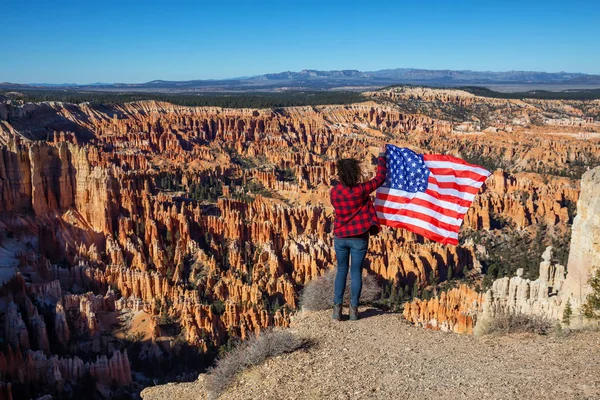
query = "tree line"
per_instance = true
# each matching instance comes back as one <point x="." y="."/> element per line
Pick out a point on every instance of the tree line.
<point x="226" y="100"/>
<point x="569" y="94"/>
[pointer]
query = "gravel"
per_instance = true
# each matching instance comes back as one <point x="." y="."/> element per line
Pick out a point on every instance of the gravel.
<point x="381" y="357"/>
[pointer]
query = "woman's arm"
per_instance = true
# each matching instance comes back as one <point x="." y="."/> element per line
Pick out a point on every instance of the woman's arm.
<point x="370" y="186"/>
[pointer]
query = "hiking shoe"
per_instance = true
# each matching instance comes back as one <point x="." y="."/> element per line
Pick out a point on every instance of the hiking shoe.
<point x="353" y="313"/>
<point x="337" y="312"/>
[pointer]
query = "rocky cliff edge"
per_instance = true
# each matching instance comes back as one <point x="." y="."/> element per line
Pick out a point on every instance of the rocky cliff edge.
<point x="382" y="357"/>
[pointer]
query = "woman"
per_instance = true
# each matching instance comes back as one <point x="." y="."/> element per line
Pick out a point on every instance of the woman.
<point x="355" y="220"/>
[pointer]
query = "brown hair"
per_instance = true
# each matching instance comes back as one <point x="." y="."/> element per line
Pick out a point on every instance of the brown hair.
<point x="349" y="171"/>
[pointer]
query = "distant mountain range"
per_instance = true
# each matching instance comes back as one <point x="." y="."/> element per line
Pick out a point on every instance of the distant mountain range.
<point x="352" y="79"/>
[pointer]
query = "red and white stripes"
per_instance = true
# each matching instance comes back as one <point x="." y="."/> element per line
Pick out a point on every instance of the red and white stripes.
<point x="437" y="213"/>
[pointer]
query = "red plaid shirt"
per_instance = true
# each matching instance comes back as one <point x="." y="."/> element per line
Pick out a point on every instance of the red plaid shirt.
<point x="354" y="210"/>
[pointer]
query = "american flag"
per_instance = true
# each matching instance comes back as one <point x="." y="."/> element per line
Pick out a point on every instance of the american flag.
<point x="427" y="194"/>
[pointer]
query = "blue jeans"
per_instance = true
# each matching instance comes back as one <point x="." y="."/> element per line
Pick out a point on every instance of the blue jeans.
<point x="349" y="252"/>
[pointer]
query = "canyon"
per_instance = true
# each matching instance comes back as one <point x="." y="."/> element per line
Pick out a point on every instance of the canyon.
<point x="139" y="239"/>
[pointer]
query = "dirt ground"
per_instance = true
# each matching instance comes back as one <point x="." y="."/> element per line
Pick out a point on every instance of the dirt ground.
<point x="383" y="357"/>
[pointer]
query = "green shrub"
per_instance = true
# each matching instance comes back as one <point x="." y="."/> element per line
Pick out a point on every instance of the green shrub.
<point x="567" y="313"/>
<point x="591" y="307"/>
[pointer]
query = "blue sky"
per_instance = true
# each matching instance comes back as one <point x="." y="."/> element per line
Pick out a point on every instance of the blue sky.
<point x="138" y="41"/>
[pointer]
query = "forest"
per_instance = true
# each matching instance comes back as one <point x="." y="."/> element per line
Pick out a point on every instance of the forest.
<point x="226" y="100"/>
<point x="570" y="94"/>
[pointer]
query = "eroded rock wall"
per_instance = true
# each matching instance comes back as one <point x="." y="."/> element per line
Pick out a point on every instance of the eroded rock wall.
<point x="206" y="222"/>
<point x="454" y="310"/>
<point x="584" y="257"/>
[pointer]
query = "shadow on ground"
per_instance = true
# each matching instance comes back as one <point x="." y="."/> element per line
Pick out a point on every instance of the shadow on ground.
<point x="370" y="312"/>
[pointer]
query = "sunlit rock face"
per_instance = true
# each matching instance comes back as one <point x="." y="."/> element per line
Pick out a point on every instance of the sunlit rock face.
<point x="518" y="295"/>
<point x="182" y="228"/>
<point x="546" y="296"/>
<point x="452" y="311"/>
<point x="584" y="257"/>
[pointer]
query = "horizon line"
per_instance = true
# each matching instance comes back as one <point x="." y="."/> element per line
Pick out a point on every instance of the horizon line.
<point x="243" y="77"/>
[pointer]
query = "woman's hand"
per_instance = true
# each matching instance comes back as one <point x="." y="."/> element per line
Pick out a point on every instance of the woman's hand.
<point x="377" y="151"/>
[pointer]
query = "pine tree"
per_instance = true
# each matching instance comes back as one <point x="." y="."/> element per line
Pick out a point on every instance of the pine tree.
<point x="400" y="296"/>
<point x="566" y="319"/>
<point x="276" y="305"/>
<point x="397" y="301"/>
<point x="591" y="307"/>
<point x="415" y="290"/>
<point x="392" y="296"/>
<point x="384" y="292"/>
<point x="465" y="271"/>
<point x="432" y="278"/>
<point x="170" y="272"/>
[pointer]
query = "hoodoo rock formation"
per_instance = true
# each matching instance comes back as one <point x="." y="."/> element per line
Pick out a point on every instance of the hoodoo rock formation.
<point x="459" y="309"/>
<point x="584" y="256"/>
<point x="517" y="295"/>
<point x="548" y="294"/>
<point x="149" y="231"/>
<point x="545" y="296"/>
<point x="452" y="311"/>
